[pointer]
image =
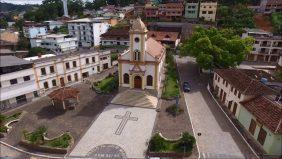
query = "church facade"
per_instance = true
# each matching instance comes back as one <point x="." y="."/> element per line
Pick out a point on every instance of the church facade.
<point x="140" y="67"/>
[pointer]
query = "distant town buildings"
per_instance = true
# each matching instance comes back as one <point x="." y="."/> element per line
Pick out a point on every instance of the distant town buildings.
<point x="191" y="10"/>
<point x="171" y="39"/>
<point x="207" y="10"/>
<point x="89" y="30"/>
<point x="9" y="40"/>
<point x="247" y="96"/>
<point x="33" y="29"/>
<point x="267" y="47"/>
<point x="17" y="82"/>
<point x="119" y="36"/>
<point x="58" y="43"/>
<point x="269" y="6"/>
<point x="51" y="24"/>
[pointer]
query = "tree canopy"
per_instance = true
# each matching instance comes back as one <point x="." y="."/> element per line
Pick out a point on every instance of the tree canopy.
<point x="215" y="48"/>
<point x="235" y="17"/>
<point x="276" y="19"/>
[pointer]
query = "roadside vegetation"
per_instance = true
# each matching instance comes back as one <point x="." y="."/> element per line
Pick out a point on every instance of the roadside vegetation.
<point x="174" y="110"/>
<point x="276" y="19"/>
<point x="184" y="144"/>
<point x="171" y="87"/>
<point x="107" y="85"/>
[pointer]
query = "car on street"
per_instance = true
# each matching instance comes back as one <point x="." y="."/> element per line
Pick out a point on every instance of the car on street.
<point x="186" y="86"/>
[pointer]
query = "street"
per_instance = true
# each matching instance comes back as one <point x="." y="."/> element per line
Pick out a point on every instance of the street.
<point x="218" y="138"/>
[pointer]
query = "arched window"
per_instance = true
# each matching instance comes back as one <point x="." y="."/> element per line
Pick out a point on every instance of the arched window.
<point x="125" y="78"/>
<point x="167" y="36"/>
<point x="149" y="80"/>
<point x="137" y="55"/>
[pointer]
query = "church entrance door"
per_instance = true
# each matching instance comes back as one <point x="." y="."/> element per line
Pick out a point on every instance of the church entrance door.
<point x="137" y="82"/>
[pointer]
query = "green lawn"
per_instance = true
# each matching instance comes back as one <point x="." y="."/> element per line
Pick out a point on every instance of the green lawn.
<point x="108" y="84"/>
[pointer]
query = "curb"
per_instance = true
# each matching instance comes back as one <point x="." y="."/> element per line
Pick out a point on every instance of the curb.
<point x="208" y="88"/>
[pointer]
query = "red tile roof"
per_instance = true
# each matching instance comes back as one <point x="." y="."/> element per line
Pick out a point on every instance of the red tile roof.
<point x="154" y="48"/>
<point x="244" y="83"/>
<point x="163" y="35"/>
<point x="267" y="112"/>
<point x="116" y="33"/>
<point x="64" y="93"/>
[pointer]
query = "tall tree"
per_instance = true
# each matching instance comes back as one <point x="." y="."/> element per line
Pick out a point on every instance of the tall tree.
<point x="216" y="48"/>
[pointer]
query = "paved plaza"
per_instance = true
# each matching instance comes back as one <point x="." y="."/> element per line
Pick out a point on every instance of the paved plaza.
<point x="118" y="132"/>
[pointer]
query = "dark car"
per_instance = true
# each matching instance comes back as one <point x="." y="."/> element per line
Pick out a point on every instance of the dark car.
<point x="186" y="87"/>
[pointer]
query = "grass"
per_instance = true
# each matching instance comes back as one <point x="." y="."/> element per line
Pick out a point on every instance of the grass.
<point x="108" y="84"/>
<point x="171" y="87"/>
<point x="276" y="19"/>
<point x="4" y="119"/>
<point x="60" y="142"/>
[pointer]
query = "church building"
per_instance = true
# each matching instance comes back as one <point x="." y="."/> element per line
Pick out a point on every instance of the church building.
<point x="140" y="67"/>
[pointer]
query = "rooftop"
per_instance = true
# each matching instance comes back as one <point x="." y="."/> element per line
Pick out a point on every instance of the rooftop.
<point x="8" y="36"/>
<point x="6" y="61"/>
<point x="163" y="36"/>
<point x="244" y="81"/>
<point x="154" y="48"/>
<point x="89" y="20"/>
<point x="266" y="111"/>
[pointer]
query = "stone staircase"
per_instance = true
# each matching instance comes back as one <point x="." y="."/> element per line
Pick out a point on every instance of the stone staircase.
<point x="136" y="98"/>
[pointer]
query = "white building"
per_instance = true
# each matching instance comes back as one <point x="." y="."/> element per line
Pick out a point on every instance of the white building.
<point x="88" y="30"/>
<point x="267" y="47"/>
<point x="59" y="43"/>
<point x="65" y="69"/>
<point x="141" y="66"/>
<point x="17" y="82"/>
<point x="34" y="31"/>
<point x="207" y="10"/>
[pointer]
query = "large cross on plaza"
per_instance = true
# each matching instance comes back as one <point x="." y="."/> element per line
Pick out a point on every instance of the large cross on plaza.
<point x="123" y="122"/>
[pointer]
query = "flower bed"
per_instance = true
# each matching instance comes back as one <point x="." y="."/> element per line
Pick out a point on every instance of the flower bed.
<point x="107" y="85"/>
<point x="162" y="147"/>
<point x="174" y="110"/>
<point x="5" y="121"/>
<point x="37" y="141"/>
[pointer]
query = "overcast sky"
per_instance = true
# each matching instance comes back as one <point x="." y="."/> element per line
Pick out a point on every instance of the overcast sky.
<point x="27" y="1"/>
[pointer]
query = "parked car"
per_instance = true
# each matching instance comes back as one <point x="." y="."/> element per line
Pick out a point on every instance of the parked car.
<point x="186" y="86"/>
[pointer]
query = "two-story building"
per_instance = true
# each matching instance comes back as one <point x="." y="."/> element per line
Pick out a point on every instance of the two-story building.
<point x="58" y="43"/>
<point x="88" y="30"/>
<point x="151" y="12"/>
<point x="207" y="10"/>
<point x="116" y="36"/>
<point x="171" y="11"/>
<point x="17" y="82"/>
<point x="267" y="47"/>
<point x="65" y="69"/>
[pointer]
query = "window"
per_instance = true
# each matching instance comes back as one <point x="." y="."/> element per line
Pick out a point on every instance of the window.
<point x="74" y="63"/>
<point x="125" y="78"/>
<point x="93" y="59"/>
<point x="226" y="84"/>
<point x="26" y="78"/>
<point x="149" y="80"/>
<point x="67" y="65"/>
<point x="252" y="127"/>
<point x="69" y="78"/>
<point x="13" y="81"/>
<point x="235" y="92"/>
<point x="87" y="60"/>
<point x="52" y="69"/>
<point x="43" y="71"/>
<point x="232" y="89"/>
<point x="136" y="55"/>
<point x="210" y="12"/>
<point x="46" y="85"/>
<point x="262" y="136"/>
<point x="204" y="12"/>
<point x="54" y="83"/>
<point x="234" y="109"/>
<point x="239" y="95"/>
<point x="136" y="40"/>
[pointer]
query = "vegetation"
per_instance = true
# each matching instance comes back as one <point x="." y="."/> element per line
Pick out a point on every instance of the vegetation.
<point x="171" y="87"/>
<point x="114" y="57"/>
<point x="235" y="2"/>
<point x="237" y="17"/>
<point x="8" y="7"/>
<point x="159" y="144"/>
<point x="3" y="24"/>
<point x="278" y="75"/>
<point x="35" y="51"/>
<point x="37" y="137"/>
<point x="5" y="119"/>
<point x="62" y="30"/>
<point x="215" y="48"/>
<point x="276" y="19"/>
<point x="174" y="110"/>
<point x="108" y="84"/>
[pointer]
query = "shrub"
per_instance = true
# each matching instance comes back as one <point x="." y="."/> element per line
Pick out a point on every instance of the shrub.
<point x="174" y="110"/>
<point x="186" y="142"/>
<point x="3" y="129"/>
<point x="37" y="137"/>
<point x="157" y="143"/>
<point x="2" y="119"/>
<point x="61" y="142"/>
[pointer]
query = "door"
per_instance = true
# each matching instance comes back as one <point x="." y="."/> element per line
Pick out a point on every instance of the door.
<point x="105" y="66"/>
<point x="229" y="105"/>
<point x="234" y="109"/>
<point x="137" y="82"/>
<point x="62" y="81"/>
<point x="21" y="99"/>
<point x="224" y="97"/>
<point x="75" y="77"/>
<point x="261" y="136"/>
<point x="220" y="96"/>
<point x="98" y="68"/>
<point x="252" y="127"/>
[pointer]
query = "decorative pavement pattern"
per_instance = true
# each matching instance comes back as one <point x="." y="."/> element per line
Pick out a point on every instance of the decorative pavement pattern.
<point x="123" y="122"/>
<point x="107" y="151"/>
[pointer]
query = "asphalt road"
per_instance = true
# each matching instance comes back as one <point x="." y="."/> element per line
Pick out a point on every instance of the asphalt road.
<point x="218" y="139"/>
